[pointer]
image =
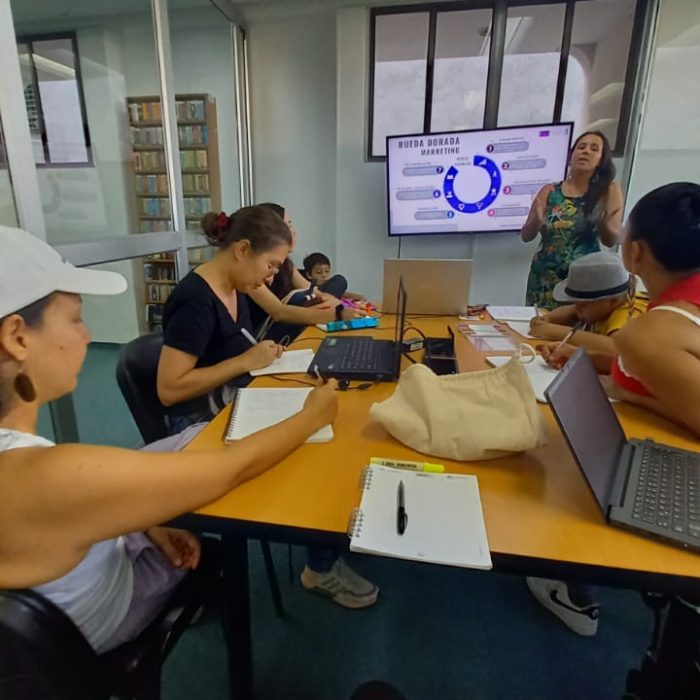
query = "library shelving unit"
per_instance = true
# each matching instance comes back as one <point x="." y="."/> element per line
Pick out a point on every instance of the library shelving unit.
<point x="201" y="184"/>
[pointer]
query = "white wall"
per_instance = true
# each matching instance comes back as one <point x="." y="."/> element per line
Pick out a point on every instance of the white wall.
<point x="501" y="260"/>
<point x="293" y="87"/>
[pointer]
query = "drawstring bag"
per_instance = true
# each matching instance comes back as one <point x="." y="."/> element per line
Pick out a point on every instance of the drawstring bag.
<point x="469" y="416"/>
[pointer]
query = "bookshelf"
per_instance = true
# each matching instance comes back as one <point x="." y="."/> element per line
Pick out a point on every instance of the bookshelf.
<point x="201" y="184"/>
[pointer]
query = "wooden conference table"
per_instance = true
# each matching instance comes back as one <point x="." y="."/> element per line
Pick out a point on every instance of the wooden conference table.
<point x="541" y="519"/>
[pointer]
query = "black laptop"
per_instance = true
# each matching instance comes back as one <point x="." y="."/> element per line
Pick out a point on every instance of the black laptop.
<point x="639" y="484"/>
<point x="363" y="358"/>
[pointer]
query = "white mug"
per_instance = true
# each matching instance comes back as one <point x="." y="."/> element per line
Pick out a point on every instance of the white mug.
<point x="525" y="353"/>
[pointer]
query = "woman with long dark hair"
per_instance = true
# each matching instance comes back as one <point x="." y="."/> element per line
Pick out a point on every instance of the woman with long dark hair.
<point x="573" y="217"/>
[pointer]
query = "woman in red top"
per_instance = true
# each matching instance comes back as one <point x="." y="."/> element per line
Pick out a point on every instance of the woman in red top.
<point x="658" y="361"/>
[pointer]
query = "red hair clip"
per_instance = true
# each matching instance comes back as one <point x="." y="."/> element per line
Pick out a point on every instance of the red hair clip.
<point x="222" y="221"/>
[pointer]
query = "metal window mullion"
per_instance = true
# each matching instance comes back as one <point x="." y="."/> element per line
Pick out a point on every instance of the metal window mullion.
<point x="238" y="105"/>
<point x="564" y="59"/>
<point x="171" y="139"/>
<point x="496" y="50"/>
<point x="39" y="107"/>
<point x="18" y="139"/>
<point x="248" y="132"/>
<point x="429" y="71"/>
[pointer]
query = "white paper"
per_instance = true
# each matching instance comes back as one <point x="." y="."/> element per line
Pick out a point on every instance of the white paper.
<point x="445" y="522"/>
<point x="512" y="313"/>
<point x="291" y="362"/>
<point x="256" y="408"/>
<point x="487" y="329"/>
<point x="521" y="328"/>
<point x="538" y="371"/>
<point x="489" y="343"/>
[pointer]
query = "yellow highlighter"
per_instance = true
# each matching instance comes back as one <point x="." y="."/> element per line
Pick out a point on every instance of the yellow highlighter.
<point x="411" y="466"/>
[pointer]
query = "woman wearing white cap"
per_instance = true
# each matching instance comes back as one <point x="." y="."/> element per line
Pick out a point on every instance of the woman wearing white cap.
<point x="65" y="508"/>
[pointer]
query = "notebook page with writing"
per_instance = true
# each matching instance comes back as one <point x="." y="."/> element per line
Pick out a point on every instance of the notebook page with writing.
<point x="290" y="362"/>
<point x="538" y="371"/>
<point x="258" y="408"/>
<point x="445" y="521"/>
<point x="521" y="328"/>
<point x="512" y="313"/>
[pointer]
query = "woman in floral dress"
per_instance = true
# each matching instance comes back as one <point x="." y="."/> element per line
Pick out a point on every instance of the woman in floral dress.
<point x="573" y="217"/>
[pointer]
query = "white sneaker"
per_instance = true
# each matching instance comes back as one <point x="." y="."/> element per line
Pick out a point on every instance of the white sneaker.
<point x="554" y="596"/>
<point x="342" y="585"/>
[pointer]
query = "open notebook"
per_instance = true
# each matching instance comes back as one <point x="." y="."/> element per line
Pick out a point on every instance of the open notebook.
<point x="445" y="524"/>
<point x="291" y="362"/>
<point x="258" y="408"/>
<point x="539" y="372"/>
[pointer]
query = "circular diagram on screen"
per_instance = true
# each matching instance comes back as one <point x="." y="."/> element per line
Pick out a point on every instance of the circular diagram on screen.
<point x="474" y="206"/>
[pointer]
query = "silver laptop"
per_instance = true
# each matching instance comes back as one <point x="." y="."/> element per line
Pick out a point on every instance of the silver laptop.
<point x="433" y="287"/>
<point x="641" y="485"/>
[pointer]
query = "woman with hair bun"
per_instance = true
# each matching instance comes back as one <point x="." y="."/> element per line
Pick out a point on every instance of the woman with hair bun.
<point x="573" y="217"/>
<point x="207" y="346"/>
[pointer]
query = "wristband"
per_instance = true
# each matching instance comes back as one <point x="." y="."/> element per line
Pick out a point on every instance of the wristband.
<point x="339" y="312"/>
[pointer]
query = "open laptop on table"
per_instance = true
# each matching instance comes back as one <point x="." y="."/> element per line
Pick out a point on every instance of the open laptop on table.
<point x="434" y="287"/>
<point x="363" y="358"/>
<point x="639" y="484"/>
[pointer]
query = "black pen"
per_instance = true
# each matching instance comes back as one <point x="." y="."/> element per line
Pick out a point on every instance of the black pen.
<point x="401" y="515"/>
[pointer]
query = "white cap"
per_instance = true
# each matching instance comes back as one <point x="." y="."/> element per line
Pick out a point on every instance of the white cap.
<point x="31" y="269"/>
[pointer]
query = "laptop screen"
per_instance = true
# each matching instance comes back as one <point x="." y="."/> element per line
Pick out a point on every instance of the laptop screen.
<point x="588" y="422"/>
<point x="400" y="324"/>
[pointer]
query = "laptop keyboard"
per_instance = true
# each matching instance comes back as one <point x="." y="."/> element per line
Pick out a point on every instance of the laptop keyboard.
<point x="667" y="490"/>
<point x="360" y="354"/>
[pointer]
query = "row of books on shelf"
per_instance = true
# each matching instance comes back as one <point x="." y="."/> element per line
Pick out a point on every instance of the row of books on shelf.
<point x="152" y="184"/>
<point x="197" y="135"/>
<point x="160" y="206"/>
<point x="150" y="110"/>
<point x="158" y="184"/>
<point x="160" y="225"/>
<point x="155" y="160"/>
<point x="154" y="206"/>
<point x="155" y="226"/>
<point x="154" y="316"/>
<point x="158" y="272"/>
<point x="159" y="293"/>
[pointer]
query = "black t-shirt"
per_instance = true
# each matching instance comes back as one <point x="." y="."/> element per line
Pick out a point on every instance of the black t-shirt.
<point x="196" y="321"/>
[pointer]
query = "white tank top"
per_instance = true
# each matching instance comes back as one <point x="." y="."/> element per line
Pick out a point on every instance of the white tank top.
<point x="96" y="594"/>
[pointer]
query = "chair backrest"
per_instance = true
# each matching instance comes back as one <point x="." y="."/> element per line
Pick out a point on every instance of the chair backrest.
<point x="42" y="652"/>
<point x="137" y="368"/>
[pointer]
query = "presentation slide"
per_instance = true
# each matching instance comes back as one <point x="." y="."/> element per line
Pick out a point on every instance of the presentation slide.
<point x="471" y="181"/>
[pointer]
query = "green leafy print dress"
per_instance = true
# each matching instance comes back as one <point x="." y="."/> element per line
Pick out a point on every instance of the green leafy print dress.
<point x="566" y="235"/>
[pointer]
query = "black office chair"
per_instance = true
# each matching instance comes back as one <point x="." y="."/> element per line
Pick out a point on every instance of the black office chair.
<point x="137" y="367"/>
<point x="44" y="654"/>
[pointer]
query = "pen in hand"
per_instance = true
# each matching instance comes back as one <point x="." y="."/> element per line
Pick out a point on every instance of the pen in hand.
<point x="569" y="336"/>
<point x="401" y="515"/>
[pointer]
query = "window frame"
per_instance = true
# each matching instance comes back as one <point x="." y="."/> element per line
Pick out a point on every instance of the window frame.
<point x="499" y="9"/>
<point x="29" y="40"/>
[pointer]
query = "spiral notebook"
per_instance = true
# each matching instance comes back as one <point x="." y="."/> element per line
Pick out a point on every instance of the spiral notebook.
<point x="445" y="524"/>
<point x="257" y="408"/>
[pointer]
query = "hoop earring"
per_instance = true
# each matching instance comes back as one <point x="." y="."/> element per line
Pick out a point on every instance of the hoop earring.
<point x="25" y="388"/>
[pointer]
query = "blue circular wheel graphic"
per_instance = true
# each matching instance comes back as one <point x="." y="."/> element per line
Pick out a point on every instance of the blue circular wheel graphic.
<point x="473" y="207"/>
